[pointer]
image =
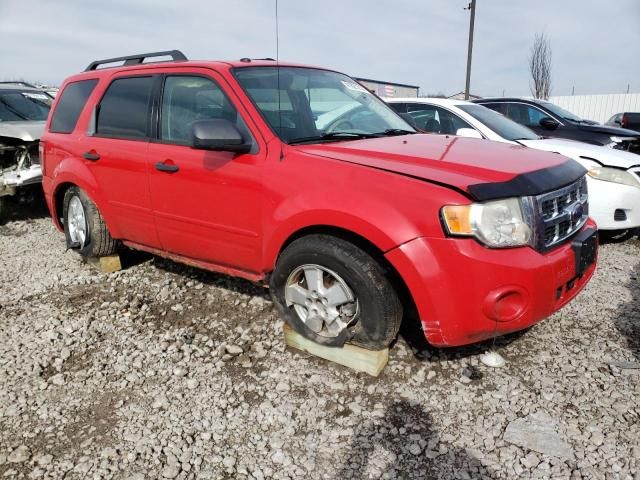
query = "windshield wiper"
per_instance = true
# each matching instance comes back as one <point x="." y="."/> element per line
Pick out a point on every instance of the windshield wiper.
<point x="397" y="131"/>
<point x="334" y="136"/>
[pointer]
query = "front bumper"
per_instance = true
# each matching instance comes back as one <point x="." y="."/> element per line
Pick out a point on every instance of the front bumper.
<point x="607" y="197"/>
<point x="13" y="179"/>
<point x="465" y="292"/>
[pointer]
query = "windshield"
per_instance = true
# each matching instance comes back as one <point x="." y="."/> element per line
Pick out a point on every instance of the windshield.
<point x="19" y="105"/>
<point x="317" y="105"/>
<point x="561" y="112"/>
<point x="507" y="129"/>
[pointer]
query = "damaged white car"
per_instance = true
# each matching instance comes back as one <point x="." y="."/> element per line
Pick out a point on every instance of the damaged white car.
<point x="23" y="113"/>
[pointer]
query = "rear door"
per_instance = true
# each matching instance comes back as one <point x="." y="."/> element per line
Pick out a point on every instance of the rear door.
<point x="116" y="154"/>
<point x="530" y="116"/>
<point x="207" y="204"/>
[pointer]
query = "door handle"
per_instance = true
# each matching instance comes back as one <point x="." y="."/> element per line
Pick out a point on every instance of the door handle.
<point x="167" y="167"/>
<point x="91" y="156"/>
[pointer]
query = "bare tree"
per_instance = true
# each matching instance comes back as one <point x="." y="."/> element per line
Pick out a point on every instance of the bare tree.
<point x="540" y="67"/>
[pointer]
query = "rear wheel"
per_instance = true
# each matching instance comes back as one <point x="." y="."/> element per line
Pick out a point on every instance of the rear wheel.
<point x="84" y="227"/>
<point x="332" y="292"/>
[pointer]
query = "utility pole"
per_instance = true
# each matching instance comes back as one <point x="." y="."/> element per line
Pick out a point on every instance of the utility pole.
<point x="472" y="7"/>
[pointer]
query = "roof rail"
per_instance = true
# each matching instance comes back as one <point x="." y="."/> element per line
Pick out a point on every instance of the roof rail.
<point x="24" y="84"/>
<point x="176" y="56"/>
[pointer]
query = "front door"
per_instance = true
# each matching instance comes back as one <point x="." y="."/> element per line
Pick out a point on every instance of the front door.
<point x="207" y="204"/>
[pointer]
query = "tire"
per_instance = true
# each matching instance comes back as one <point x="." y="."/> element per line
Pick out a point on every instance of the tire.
<point x="3" y="208"/>
<point x="372" y="319"/>
<point x="97" y="239"/>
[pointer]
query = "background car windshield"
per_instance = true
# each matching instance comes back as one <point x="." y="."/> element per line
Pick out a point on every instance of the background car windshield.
<point x="561" y="112"/>
<point x="507" y="129"/>
<point x="315" y="102"/>
<point x="18" y="106"/>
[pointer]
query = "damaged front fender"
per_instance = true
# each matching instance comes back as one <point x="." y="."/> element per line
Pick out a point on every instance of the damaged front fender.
<point x="19" y="157"/>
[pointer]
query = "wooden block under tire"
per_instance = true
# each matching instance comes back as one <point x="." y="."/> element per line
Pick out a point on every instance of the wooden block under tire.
<point x="357" y="358"/>
<point x="108" y="264"/>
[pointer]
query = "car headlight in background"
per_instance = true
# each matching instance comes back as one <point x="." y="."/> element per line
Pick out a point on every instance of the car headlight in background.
<point x="615" y="175"/>
<point x="498" y="224"/>
<point x="616" y="142"/>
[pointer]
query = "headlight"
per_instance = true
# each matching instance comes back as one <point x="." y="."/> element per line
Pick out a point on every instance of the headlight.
<point x="615" y="142"/>
<point x="621" y="139"/>
<point x="499" y="223"/>
<point x="615" y="175"/>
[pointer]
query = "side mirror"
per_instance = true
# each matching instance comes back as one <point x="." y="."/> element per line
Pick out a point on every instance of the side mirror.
<point x="548" y="123"/>
<point x="217" y="134"/>
<point x="409" y="119"/>
<point x="469" y="133"/>
<point x="618" y="121"/>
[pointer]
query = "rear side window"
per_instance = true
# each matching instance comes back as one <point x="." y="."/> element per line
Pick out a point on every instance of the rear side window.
<point x="70" y="105"/>
<point x="498" y="107"/>
<point x="124" y="109"/>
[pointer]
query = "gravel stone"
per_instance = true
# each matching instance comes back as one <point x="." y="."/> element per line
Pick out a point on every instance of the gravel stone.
<point x="538" y="432"/>
<point x="19" y="455"/>
<point x="102" y="378"/>
<point x="234" y="350"/>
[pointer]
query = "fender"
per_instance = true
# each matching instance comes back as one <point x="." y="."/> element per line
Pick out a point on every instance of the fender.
<point x="70" y="170"/>
<point x="294" y="215"/>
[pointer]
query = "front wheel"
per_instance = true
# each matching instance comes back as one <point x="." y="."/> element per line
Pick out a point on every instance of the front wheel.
<point x="332" y="292"/>
<point x="84" y="227"/>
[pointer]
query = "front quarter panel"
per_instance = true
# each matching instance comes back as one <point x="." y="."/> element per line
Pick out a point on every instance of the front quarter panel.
<point x="385" y="208"/>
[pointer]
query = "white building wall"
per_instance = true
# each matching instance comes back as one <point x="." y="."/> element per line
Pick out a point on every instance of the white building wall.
<point x="599" y="107"/>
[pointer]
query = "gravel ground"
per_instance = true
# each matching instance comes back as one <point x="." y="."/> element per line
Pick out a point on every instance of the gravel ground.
<point x="164" y="371"/>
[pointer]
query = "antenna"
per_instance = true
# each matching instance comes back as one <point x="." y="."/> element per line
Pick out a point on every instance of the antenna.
<point x="278" y="80"/>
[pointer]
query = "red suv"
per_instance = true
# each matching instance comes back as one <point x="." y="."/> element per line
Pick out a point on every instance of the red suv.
<point x="301" y="178"/>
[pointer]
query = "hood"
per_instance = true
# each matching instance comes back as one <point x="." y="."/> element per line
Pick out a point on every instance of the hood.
<point x="25" y="131"/>
<point x="482" y="169"/>
<point x="607" y="130"/>
<point x="606" y="156"/>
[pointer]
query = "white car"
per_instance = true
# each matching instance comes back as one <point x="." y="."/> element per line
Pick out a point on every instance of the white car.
<point x="613" y="175"/>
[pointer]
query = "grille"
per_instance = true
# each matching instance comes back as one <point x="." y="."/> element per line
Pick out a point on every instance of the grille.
<point x="561" y="213"/>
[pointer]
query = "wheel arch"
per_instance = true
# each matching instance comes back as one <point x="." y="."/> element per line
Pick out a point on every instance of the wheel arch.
<point x="369" y="247"/>
<point x="71" y="173"/>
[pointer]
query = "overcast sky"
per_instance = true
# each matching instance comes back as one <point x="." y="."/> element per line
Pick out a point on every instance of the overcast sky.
<point x="595" y="43"/>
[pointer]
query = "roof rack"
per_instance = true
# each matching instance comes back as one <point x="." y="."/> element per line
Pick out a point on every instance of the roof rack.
<point x="176" y="56"/>
<point x="248" y="60"/>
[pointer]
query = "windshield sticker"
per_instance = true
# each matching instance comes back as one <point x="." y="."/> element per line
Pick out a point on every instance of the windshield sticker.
<point x="354" y="86"/>
<point x="37" y="96"/>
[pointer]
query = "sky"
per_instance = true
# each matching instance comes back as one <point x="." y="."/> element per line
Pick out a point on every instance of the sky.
<point x="595" y="43"/>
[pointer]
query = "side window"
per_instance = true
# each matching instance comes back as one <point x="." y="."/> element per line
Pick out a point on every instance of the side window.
<point x="526" y="114"/>
<point x="72" y="101"/>
<point x="450" y="123"/>
<point x="425" y="116"/>
<point x="497" y="107"/>
<point x="186" y="99"/>
<point x="436" y="119"/>
<point x="398" y="107"/>
<point x="124" y="109"/>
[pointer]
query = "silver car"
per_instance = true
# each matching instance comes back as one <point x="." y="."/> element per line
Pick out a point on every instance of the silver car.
<point x="23" y="113"/>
